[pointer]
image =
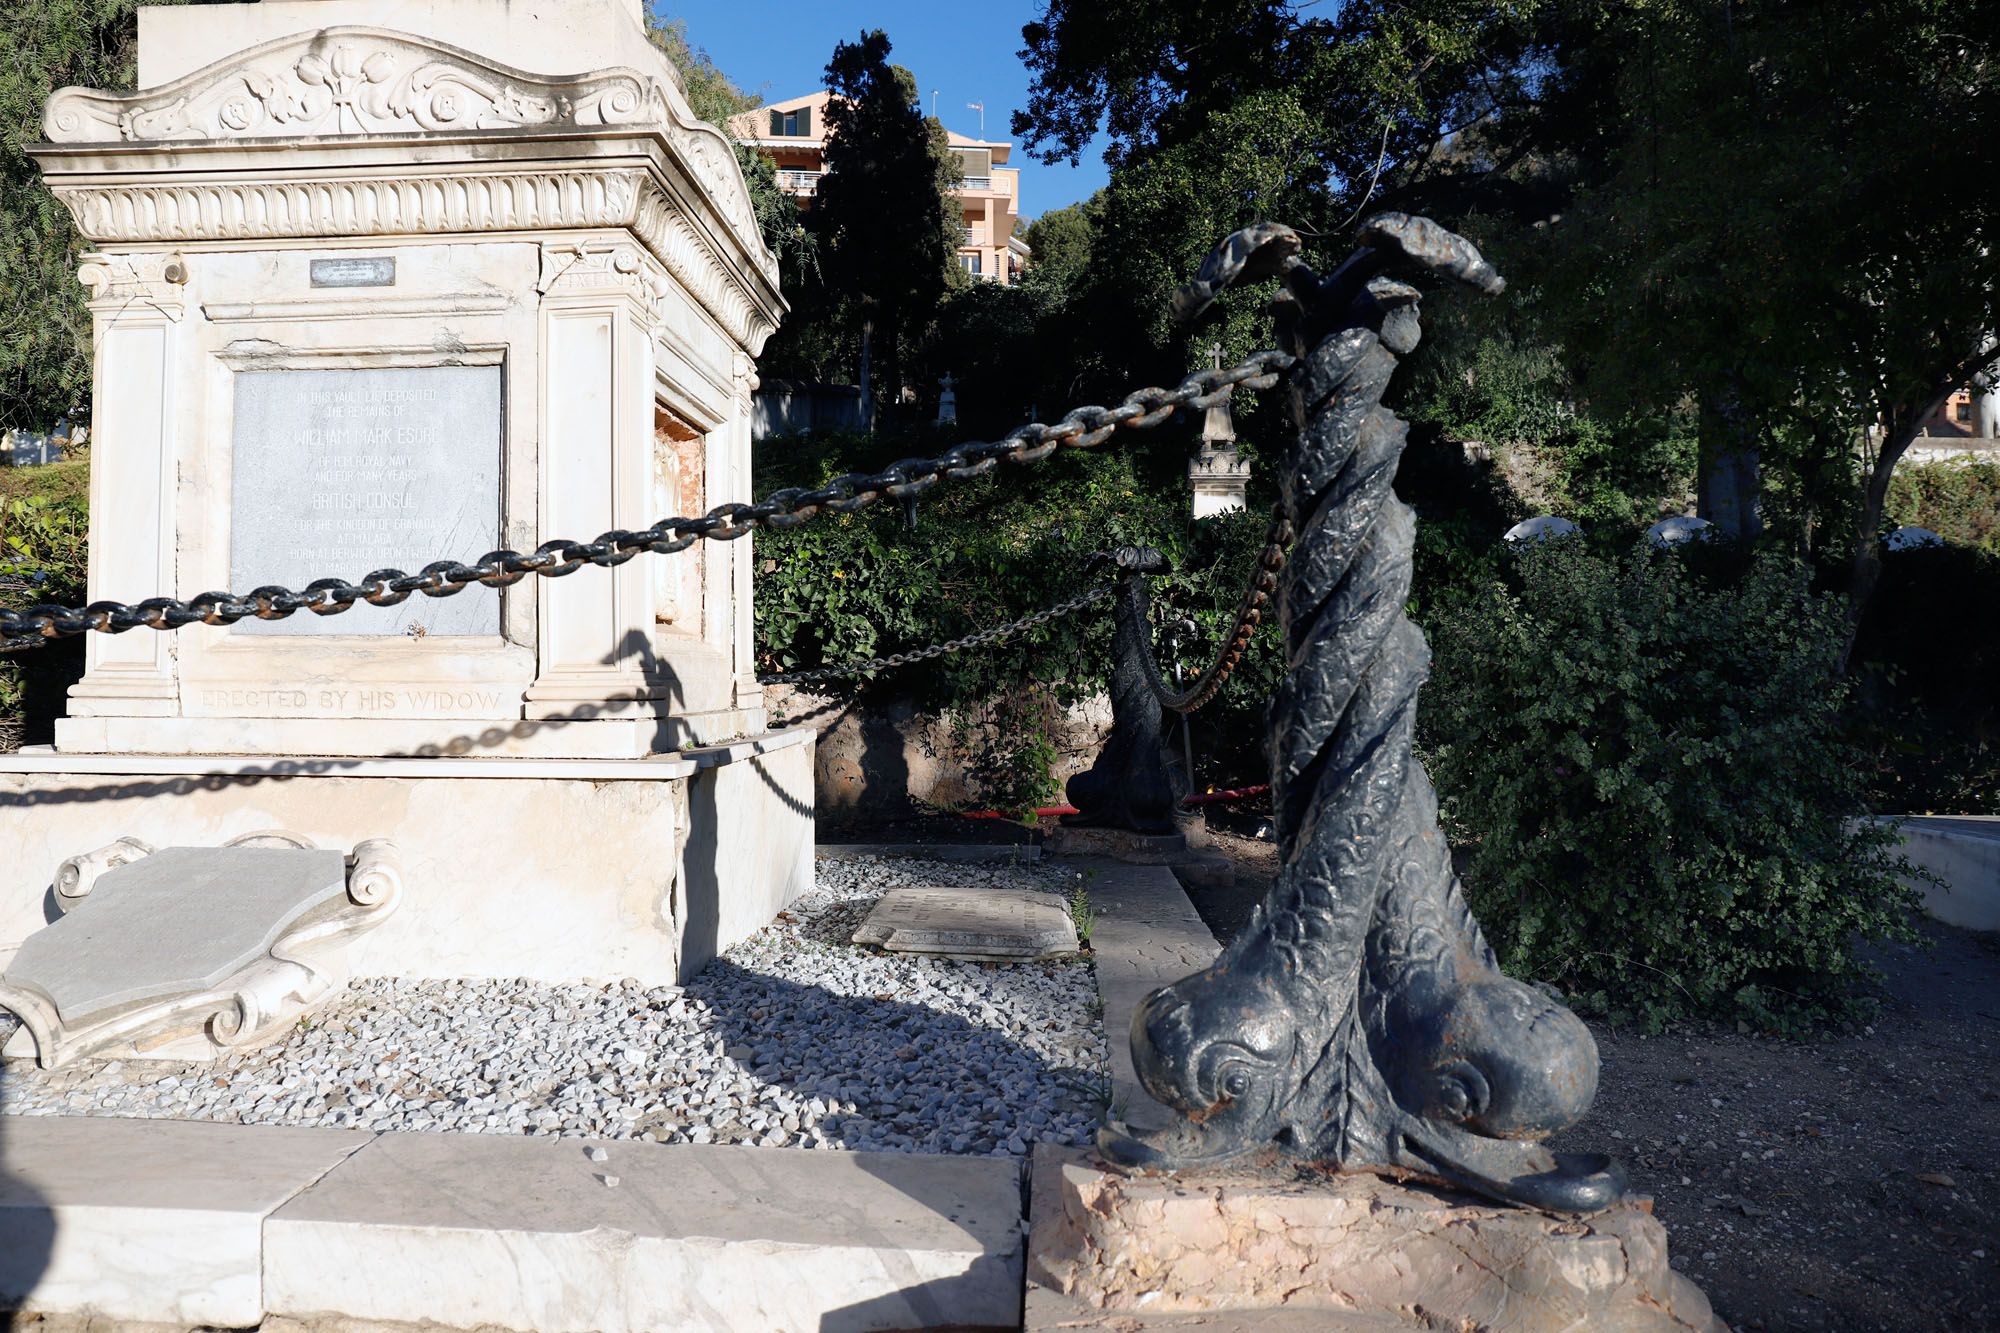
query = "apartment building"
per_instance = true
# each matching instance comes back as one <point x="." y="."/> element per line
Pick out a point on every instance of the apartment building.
<point x="793" y="134"/>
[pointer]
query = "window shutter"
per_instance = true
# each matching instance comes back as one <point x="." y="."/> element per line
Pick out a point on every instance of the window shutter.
<point x="777" y="123"/>
<point x="806" y="121"/>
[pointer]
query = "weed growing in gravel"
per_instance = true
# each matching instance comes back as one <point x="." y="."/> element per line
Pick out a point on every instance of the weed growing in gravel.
<point x="1079" y="910"/>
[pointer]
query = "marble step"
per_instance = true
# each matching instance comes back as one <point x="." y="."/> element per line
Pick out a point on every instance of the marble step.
<point x="183" y="1224"/>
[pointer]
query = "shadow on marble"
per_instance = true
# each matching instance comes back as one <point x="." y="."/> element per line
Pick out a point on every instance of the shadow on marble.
<point x="27" y="1225"/>
<point x="664" y="683"/>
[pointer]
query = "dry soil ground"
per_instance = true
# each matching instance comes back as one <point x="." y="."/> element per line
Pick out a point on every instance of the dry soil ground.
<point x="1845" y="1183"/>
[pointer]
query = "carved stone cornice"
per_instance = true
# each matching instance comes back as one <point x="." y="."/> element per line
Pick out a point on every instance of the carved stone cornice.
<point x="505" y="200"/>
<point x="359" y="83"/>
<point x="151" y="279"/>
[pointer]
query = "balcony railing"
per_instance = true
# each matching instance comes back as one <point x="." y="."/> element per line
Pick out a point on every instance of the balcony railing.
<point x="971" y="235"/>
<point x="799" y="182"/>
<point x="977" y="183"/>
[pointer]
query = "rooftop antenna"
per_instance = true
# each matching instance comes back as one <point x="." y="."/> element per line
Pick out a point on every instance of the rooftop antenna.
<point x="980" y="107"/>
<point x="934" y="93"/>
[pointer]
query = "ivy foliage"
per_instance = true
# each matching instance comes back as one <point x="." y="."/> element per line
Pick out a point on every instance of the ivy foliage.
<point x="852" y="587"/>
<point x="1646" y="765"/>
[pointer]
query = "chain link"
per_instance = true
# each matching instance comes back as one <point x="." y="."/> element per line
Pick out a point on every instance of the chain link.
<point x="978" y="639"/>
<point x="902" y="480"/>
<point x="1250" y="607"/>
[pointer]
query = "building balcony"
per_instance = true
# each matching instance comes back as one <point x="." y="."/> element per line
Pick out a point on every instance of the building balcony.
<point x="793" y="181"/>
<point x="979" y="184"/>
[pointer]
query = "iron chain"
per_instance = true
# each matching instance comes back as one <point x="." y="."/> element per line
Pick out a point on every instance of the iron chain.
<point x="1250" y="607"/>
<point x="902" y="480"/>
<point x="976" y="640"/>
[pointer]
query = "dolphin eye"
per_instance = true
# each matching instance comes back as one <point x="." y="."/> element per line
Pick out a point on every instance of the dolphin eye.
<point x="1237" y="1083"/>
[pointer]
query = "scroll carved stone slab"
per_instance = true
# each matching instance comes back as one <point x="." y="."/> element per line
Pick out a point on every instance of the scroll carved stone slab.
<point x="189" y="951"/>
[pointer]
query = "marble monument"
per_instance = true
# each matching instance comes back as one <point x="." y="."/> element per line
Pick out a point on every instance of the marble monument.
<point x="381" y="282"/>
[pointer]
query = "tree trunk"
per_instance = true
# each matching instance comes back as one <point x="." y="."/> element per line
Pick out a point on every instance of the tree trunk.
<point x="1899" y="431"/>
<point x="866" y="377"/>
<point x="1864" y="569"/>
<point x="1729" y="483"/>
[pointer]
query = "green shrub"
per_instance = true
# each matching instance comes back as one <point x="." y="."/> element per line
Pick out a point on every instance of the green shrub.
<point x="1958" y="501"/>
<point x="1929" y="713"/>
<point x="42" y="559"/>
<point x="44" y="543"/>
<point x="981" y="553"/>
<point x="1648" y="771"/>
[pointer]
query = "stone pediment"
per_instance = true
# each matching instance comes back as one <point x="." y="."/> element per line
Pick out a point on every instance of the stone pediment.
<point x="342" y="81"/>
<point x="345" y="82"/>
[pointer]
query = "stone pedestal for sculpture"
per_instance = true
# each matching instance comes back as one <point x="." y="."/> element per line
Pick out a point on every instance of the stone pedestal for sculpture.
<point x="376" y="284"/>
<point x="1111" y="1250"/>
<point x="187" y="952"/>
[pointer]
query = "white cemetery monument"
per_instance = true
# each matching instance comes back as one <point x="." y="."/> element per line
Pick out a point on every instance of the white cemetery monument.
<point x="382" y="282"/>
<point x="1220" y="476"/>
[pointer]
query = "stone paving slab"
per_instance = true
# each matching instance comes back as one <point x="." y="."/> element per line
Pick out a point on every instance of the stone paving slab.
<point x="1146" y="935"/>
<point x="148" y="1220"/>
<point x="476" y="1230"/>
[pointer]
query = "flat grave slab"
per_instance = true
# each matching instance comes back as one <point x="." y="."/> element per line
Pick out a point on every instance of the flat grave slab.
<point x="993" y="925"/>
<point x="182" y="920"/>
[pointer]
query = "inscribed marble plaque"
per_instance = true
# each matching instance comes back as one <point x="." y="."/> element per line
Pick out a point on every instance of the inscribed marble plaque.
<point x="998" y="924"/>
<point x="339" y="473"/>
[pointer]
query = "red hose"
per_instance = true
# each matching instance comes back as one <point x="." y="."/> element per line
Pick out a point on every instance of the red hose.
<point x="1203" y="798"/>
<point x="1234" y="794"/>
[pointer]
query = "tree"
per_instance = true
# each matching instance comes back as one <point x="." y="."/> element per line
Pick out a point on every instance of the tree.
<point x="1221" y="114"/>
<point x="1771" y="215"/>
<point x="45" y="358"/>
<point x="1757" y="214"/>
<point x="885" y="222"/>
<point x="715" y="98"/>
<point x="1059" y="245"/>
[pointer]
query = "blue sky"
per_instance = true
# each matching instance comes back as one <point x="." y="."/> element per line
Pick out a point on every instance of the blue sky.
<point x="779" y="48"/>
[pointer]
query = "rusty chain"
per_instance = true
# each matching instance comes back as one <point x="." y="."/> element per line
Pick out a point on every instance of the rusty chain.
<point x="978" y="639"/>
<point x="1250" y="606"/>
<point x="905" y="479"/>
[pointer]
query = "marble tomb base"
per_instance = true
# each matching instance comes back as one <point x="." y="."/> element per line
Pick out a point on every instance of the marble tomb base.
<point x="550" y="869"/>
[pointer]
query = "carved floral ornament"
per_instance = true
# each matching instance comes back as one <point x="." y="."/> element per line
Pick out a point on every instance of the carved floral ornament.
<point x="366" y="81"/>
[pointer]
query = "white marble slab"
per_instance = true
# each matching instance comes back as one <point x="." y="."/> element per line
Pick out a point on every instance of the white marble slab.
<point x="175" y="923"/>
<point x="356" y="470"/>
<point x="519" y="1233"/>
<point x="1006" y="924"/>
<point x="147" y="1220"/>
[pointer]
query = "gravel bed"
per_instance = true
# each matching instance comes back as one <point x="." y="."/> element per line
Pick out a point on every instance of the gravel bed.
<point x="795" y="1037"/>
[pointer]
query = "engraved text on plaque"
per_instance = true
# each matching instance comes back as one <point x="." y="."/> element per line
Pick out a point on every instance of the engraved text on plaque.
<point x="339" y="473"/>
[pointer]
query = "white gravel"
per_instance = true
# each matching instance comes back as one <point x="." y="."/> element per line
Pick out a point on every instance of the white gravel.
<point x="796" y="1037"/>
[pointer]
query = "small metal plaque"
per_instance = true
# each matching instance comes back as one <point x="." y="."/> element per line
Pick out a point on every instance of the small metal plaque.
<point x="376" y="271"/>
